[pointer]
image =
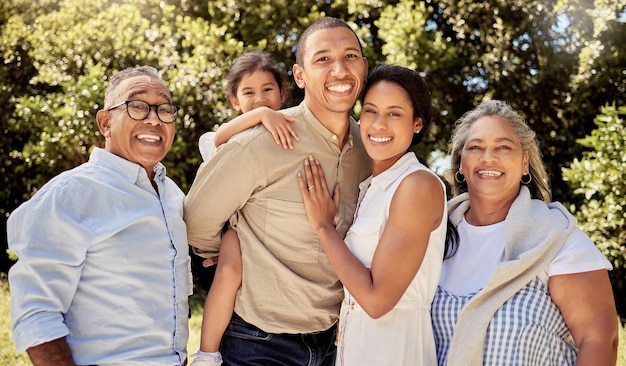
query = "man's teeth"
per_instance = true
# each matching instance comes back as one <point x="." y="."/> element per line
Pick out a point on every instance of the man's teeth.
<point x="490" y="173"/>
<point x="339" y="88"/>
<point x="152" y="138"/>
<point x="380" y="139"/>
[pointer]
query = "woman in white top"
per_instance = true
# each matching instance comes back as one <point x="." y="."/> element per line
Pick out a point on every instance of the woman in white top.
<point x="390" y="261"/>
<point x="526" y="286"/>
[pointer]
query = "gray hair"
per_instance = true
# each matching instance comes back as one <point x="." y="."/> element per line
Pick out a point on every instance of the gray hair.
<point x="128" y="73"/>
<point x="539" y="186"/>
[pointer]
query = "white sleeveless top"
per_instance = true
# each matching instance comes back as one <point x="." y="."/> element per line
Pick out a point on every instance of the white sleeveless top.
<point x="404" y="336"/>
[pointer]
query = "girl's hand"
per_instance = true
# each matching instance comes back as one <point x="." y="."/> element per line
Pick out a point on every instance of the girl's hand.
<point x="320" y="207"/>
<point x="279" y="125"/>
<point x="208" y="262"/>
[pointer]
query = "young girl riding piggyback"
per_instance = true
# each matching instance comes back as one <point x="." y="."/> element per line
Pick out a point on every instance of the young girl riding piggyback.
<point x="257" y="89"/>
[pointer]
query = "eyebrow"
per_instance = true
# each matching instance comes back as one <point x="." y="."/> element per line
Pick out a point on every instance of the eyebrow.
<point x="354" y="49"/>
<point x="144" y="91"/>
<point x="264" y="84"/>
<point x="498" y="139"/>
<point x="388" y="107"/>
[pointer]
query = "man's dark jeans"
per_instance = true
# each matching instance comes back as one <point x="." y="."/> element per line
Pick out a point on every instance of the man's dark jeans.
<point x="244" y="344"/>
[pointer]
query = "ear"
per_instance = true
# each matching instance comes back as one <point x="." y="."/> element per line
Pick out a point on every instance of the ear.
<point x="525" y="163"/>
<point x="235" y="102"/>
<point x="366" y="65"/>
<point x="418" y="124"/>
<point x="283" y="94"/>
<point x="297" y="75"/>
<point x="104" y="123"/>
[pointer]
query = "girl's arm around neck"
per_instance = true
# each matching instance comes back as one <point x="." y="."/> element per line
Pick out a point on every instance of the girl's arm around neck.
<point x="278" y="124"/>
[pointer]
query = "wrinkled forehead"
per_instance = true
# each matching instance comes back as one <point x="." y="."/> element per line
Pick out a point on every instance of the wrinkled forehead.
<point x="492" y="128"/>
<point x="138" y="85"/>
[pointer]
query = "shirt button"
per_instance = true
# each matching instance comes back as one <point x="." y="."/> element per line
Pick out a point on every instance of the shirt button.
<point x="334" y="137"/>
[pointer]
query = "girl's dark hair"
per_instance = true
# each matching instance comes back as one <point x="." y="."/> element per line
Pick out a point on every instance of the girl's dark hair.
<point x="415" y="88"/>
<point x="250" y="62"/>
<point x="452" y="241"/>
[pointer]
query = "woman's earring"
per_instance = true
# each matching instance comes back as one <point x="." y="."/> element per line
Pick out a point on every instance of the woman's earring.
<point x="528" y="180"/>
<point x="459" y="177"/>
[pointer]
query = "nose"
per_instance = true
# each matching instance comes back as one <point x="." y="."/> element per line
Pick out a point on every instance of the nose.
<point x="152" y="117"/>
<point x="488" y="155"/>
<point x="379" y="122"/>
<point x="260" y="99"/>
<point x="339" y="67"/>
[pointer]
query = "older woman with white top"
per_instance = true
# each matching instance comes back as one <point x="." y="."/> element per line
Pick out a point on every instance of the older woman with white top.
<point x="525" y="286"/>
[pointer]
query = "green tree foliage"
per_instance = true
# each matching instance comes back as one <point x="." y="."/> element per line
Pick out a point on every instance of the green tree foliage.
<point x="529" y="53"/>
<point x="556" y="61"/>
<point x="600" y="176"/>
<point x="59" y="58"/>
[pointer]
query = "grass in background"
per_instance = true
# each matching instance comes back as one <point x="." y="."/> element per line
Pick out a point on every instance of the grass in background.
<point x="8" y="356"/>
<point x="196" y="304"/>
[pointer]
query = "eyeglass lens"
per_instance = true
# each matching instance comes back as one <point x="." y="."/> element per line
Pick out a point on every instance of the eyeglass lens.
<point x="139" y="110"/>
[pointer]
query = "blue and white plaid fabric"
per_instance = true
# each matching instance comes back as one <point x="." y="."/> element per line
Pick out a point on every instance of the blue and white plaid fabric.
<point x="528" y="330"/>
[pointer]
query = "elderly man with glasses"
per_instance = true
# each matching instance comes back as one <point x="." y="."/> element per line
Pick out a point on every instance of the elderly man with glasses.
<point x="103" y="275"/>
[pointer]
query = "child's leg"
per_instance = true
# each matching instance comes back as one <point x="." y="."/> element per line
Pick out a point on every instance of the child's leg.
<point x="220" y="301"/>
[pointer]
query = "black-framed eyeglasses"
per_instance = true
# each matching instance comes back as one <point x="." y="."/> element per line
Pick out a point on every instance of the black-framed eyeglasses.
<point x="139" y="110"/>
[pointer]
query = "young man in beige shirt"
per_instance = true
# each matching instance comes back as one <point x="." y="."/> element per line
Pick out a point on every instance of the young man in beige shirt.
<point x="288" y="303"/>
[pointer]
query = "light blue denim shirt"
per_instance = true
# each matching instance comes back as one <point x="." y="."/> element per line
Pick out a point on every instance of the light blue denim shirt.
<point x="103" y="261"/>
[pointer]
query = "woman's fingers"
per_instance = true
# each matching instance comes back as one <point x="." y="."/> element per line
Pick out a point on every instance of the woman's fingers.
<point x="308" y="174"/>
<point x="302" y="185"/>
<point x="317" y="173"/>
<point x="313" y="182"/>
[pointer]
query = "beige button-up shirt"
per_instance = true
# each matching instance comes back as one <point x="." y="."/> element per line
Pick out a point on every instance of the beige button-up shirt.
<point x="288" y="285"/>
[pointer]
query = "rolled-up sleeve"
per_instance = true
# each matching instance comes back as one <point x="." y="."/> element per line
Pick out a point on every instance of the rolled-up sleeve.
<point x="50" y="243"/>
<point x="210" y="203"/>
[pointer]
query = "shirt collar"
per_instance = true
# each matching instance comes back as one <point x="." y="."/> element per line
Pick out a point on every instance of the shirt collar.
<point x="132" y="172"/>
<point x="319" y="127"/>
<point x="386" y="178"/>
